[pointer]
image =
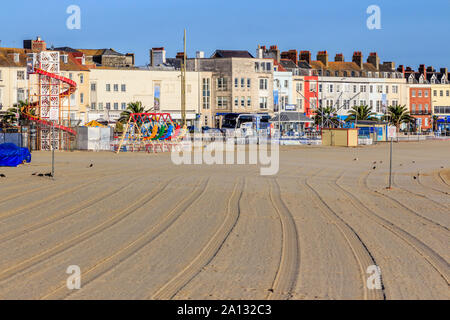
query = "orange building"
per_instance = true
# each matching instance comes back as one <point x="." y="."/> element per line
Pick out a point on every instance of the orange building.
<point x="420" y="105"/>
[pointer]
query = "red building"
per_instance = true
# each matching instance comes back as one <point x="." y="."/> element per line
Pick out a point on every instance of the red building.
<point x="420" y="105"/>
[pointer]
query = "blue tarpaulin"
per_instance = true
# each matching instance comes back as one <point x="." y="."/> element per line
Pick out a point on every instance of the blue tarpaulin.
<point x="11" y="155"/>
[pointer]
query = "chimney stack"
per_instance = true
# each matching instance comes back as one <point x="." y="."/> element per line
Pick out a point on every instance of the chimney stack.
<point x="291" y="55"/>
<point x="374" y="60"/>
<point x="322" y="56"/>
<point x="305" y="56"/>
<point x="401" y="69"/>
<point x="200" y="54"/>
<point x="274" y="53"/>
<point x="157" y="56"/>
<point x="444" y="71"/>
<point x="422" y="70"/>
<point x="430" y="69"/>
<point x="358" y="59"/>
<point x="180" y="55"/>
<point x="339" y="57"/>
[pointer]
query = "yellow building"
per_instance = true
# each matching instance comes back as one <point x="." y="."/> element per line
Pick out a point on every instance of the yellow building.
<point x="440" y="101"/>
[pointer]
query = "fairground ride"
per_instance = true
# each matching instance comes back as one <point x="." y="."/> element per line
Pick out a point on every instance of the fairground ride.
<point x="48" y="107"/>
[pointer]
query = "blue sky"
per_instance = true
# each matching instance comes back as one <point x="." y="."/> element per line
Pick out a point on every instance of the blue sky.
<point x="412" y="31"/>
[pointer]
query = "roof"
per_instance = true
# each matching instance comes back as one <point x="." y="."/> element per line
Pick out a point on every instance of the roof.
<point x="288" y="64"/>
<point x="231" y="54"/>
<point x="291" y="116"/>
<point x="342" y="66"/>
<point x="280" y="67"/>
<point x="7" y="60"/>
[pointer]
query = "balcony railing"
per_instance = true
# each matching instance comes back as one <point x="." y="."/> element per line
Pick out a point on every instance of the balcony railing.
<point x="421" y="112"/>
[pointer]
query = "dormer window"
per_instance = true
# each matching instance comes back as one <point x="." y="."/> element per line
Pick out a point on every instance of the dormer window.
<point x="65" y="58"/>
<point x="16" y="57"/>
<point x="353" y="73"/>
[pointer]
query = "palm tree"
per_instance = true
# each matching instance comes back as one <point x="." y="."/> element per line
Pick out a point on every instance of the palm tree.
<point x="326" y="116"/>
<point x="133" y="107"/>
<point x="435" y="122"/>
<point x="361" y="113"/>
<point x="396" y="115"/>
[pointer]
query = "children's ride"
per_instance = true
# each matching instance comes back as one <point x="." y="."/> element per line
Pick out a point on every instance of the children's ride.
<point x="150" y="132"/>
<point x="48" y="95"/>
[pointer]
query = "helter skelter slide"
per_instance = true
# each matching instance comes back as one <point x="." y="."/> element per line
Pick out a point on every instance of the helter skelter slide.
<point x="49" y="101"/>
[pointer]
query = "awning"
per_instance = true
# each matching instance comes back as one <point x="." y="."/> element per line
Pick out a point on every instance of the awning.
<point x="291" y="117"/>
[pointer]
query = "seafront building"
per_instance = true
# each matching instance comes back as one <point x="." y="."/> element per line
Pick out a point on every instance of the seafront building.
<point x="285" y="84"/>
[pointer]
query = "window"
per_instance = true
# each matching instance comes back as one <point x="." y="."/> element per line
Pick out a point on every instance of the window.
<point x="394" y="89"/>
<point x="81" y="97"/>
<point x="363" y="88"/>
<point x="123" y="88"/>
<point x="123" y="106"/>
<point x="299" y="104"/>
<point x="257" y="66"/>
<point x="426" y="93"/>
<point x="108" y="106"/>
<point x="116" y="88"/>
<point x="313" y="86"/>
<point x="100" y="106"/>
<point x="419" y="108"/>
<point x="354" y="89"/>
<point x="249" y="102"/>
<point x="108" y="87"/>
<point x="330" y="88"/>
<point x="93" y="106"/>
<point x="299" y="87"/>
<point x="420" y="93"/>
<point x="441" y="93"/>
<point x="434" y="93"/>
<point x="426" y="108"/>
<point x="249" y="82"/>
<point x="263" y="84"/>
<point x="413" y="108"/>
<point x="206" y="93"/>
<point x="1" y="75"/>
<point x="222" y="102"/>
<point x="242" y="83"/>
<point x="286" y="83"/>
<point x="236" y="82"/>
<point x="268" y="66"/>
<point x="371" y="89"/>
<point x="206" y="120"/>
<point x="70" y="76"/>
<point x="116" y="106"/>
<point x="263" y="102"/>
<point x="371" y="104"/>
<point x="81" y="78"/>
<point x="93" y="87"/>
<point x="243" y="102"/>
<point x="378" y="105"/>
<point x="20" y="75"/>
<point x="222" y="84"/>
<point x="380" y="89"/>
<point x="447" y="93"/>
<point x="413" y="93"/>
<point x="20" y="95"/>
<point x="236" y="102"/>
<point x="387" y="89"/>
<point x="320" y="88"/>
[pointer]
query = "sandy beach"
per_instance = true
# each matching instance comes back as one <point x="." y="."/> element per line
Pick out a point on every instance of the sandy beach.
<point x="140" y="227"/>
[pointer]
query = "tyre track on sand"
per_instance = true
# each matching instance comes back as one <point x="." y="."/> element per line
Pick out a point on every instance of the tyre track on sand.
<point x="9" y="272"/>
<point x="73" y="210"/>
<point x="99" y="175"/>
<point x="419" y="180"/>
<point x="396" y="202"/>
<point x="399" y="187"/>
<point x="288" y="269"/>
<point x="209" y="252"/>
<point x="438" y="263"/>
<point x="107" y="264"/>
<point x="363" y="256"/>
<point x="441" y="178"/>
